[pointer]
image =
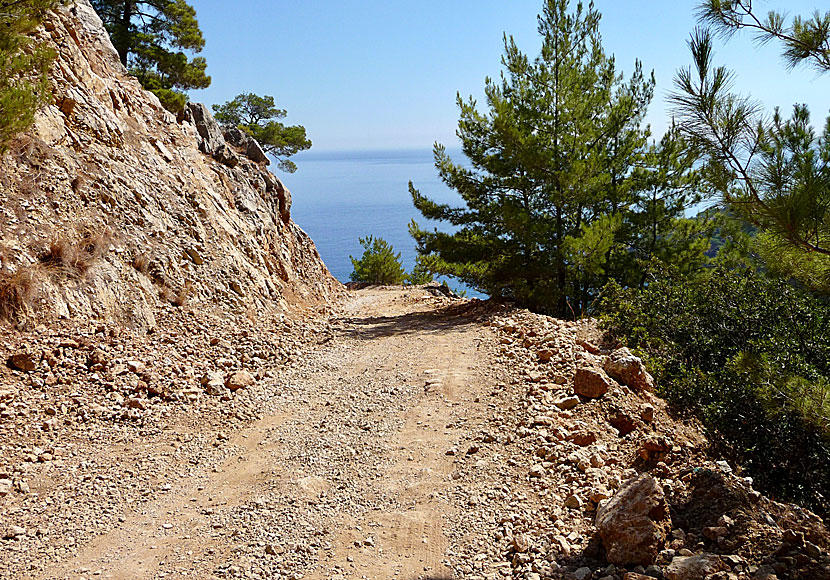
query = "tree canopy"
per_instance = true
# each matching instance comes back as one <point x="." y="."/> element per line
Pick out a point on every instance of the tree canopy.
<point x="804" y="40"/>
<point x="24" y="85"/>
<point x="561" y="187"/>
<point x="258" y="116"/>
<point x="771" y="170"/>
<point x="379" y="263"/>
<point x="151" y="37"/>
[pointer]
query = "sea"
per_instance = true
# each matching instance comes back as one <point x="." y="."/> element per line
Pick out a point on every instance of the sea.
<point x="340" y="197"/>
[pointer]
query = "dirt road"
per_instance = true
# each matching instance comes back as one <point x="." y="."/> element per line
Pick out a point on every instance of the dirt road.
<point x="348" y="474"/>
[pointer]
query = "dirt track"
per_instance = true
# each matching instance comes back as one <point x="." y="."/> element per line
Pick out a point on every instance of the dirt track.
<point x="349" y="476"/>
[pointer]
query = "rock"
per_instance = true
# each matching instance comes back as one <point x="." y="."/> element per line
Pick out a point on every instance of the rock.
<point x="226" y="156"/>
<point x="567" y="403"/>
<point x="239" y="380"/>
<point x="583" y="573"/>
<point x="5" y="487"/>
<point x="136" y="366"/>
<point x="635" y="576"/>
<point x="629" y="370"/>
<point x="255" y="153"/>
<point x="694" y="567"/>
<point x="22" y="361"/>
<point x="14" y="532"/>
<point x="583" y="438"/>
<point x="714" y="532"/>
<point x="207" y="127"/>
<point x="647" y="413"/>
<point x="520" y="543"/>
<point x="214" y="384"/>
<point x="593" y="349"/>
<point x="591" y="383"/>
<point x="623" y="424"/>
<point x="545" y="355"/>
<point x="634" y="523"/>
<point x="573" y="501"/>
<point x="537" y="471"/>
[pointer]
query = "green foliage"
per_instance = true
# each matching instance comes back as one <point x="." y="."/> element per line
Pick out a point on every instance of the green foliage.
<point x="24" y="85"/>
<point x="258" y="117"/>
<point x="561" y="182"/>
<point x="379" y="264"/>
<point x="749" y="356"/>
<point x="773" y="172"/>
<point x="422" y="272"/>
<point x="804" y="40"/>
<point x="151" y="37"/>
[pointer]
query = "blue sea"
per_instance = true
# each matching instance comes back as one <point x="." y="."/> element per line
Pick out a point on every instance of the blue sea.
<point x="340" y="197"/>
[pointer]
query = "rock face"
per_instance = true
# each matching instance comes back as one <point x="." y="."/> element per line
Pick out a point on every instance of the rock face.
<point x="628" y="369"/>
<point x="694" y="567"/>
<point x="634" y="523"/>
<point x="108" y="169"/>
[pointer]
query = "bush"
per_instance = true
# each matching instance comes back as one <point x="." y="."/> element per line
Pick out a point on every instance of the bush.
<point x="19" y="292"/>
<point x="379" y="263"/>
<point x="750" y="357"/>
<point x="23" y="66"/>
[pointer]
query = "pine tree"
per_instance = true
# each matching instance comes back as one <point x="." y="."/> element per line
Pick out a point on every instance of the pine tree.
<point x="151" y="37"/>
<point x="24" y="85"/>
<point x="549" y="181"/>
<point x="258" y="116"/>
<point x="379" y="263"/>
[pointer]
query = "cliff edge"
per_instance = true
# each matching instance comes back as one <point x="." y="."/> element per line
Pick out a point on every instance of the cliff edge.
<point x="110" y="206"/>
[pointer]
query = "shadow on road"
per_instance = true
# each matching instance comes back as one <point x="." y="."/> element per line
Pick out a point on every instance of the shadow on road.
<point x="438" y="320"/>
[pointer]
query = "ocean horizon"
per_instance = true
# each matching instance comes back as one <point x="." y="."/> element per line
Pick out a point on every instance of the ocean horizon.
<point x="342" y="196"/>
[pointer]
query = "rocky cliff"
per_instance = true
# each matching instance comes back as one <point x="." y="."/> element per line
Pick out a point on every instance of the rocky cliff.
<point x="110" y="206"/>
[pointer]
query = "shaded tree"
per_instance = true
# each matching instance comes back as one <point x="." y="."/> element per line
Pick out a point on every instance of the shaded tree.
<point x="151" y="37"/>
<point x="258" y="116"/>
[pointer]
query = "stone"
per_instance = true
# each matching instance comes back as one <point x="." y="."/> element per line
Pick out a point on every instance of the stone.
<point x="583" y="438"/>
<point x="226" y="156"/>
<point x="255" y="153"/>
<point x="573" y="501"/>
<point x="5" y="487"/>
<point x="647" y="413"/>
<point x="239" y="380"/>
<point x="694" y="567"/>
<point x="22" y="361"/>
<point x="636" y="576"/>
<point x="207" y="127"/>
<point x="14" y="532"/>
<point x="583" y="573"/>
<point x="214" y="384"/>
<point x="628" y="369"/>
<point x="136" y="366"/>
<point x="520" y="543"/>
<point x="591" y="383"/>
<point x="567" y="403"/>
<point x="537" y="471"/>
<point x="634" y="523"/>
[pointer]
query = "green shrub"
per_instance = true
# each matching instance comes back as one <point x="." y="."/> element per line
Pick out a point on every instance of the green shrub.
<point x="24" y="86"/>
<point x="750" y="357"/>
<point x="379" y="263"/>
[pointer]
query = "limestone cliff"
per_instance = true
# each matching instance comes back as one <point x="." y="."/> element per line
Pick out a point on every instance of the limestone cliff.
<point x="153" y="209"/>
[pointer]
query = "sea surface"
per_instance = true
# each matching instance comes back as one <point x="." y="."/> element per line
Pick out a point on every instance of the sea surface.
<point x="340" y="197"/>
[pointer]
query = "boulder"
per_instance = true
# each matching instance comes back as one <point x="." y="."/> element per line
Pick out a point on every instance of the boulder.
<point x="634" y="523"/>
<point x="694" y="567"/>
<point x="239" y="138"/>
<point x="239" y="380"/>
<point x="206" y="126"/>
<point x="255" y="153"/>
<point x="592" y="383"/>
<point x="22" y="361"/>
<point x="226" y="156"/>
<point x="629" y="370"/>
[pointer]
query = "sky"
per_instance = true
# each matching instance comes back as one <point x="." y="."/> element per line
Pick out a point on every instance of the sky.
<point x="384" y="74"/>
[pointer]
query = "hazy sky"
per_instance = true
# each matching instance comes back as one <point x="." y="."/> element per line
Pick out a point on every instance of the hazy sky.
<point x="379" y="74"/>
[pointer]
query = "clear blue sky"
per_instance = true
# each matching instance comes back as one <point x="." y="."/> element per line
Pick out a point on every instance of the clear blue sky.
<point x="381" y="74"/>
